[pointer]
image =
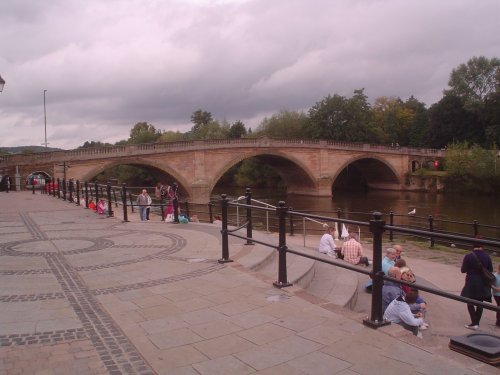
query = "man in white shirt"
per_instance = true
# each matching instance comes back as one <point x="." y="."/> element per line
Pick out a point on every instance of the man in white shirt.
<point x="326" y="243"/>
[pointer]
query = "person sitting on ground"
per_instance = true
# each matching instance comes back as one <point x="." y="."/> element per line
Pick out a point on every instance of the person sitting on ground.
<point x="389" y="260"/>
<point x="399" y="312"/>
<point x="217" y="220"/>
<point x="399" y="250"/>
<point x="353" y="251"/>
<point x="326" y="243"/>
<point x="407" y="275"/>
<point x="391" y="289"/>
<point x="400" y="263"/>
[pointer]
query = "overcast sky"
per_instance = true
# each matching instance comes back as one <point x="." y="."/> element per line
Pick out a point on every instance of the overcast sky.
<point x="108" y="64"/>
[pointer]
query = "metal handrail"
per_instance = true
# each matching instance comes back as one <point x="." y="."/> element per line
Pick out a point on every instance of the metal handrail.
<point x="377" y="227"/>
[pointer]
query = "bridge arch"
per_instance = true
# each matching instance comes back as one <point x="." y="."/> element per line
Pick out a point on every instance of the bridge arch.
<point x="367" y="172"/>
<point x="156" y="168"/>
<point x="296" y="176"/>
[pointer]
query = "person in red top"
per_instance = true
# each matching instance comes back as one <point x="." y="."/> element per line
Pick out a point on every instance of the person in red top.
<point x="353" y="251"/>
<point x="92" y="205"/>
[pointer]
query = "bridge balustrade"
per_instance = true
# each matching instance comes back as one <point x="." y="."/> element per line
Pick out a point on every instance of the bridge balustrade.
<point x="376" y="226"/>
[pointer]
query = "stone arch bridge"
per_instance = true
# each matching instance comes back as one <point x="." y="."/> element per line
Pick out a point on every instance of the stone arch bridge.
<point x="308" y="167"/>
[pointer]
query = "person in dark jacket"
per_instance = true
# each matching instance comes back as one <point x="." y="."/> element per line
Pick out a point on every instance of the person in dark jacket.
<point x="474" y="287"/>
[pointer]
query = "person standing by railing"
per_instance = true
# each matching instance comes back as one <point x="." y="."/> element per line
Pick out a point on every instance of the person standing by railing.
<point x="142" y="202"/>
<point x="474" y="287"/>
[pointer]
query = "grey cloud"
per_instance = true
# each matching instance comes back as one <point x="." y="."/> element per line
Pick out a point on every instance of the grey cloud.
<point x="107" y="65"/>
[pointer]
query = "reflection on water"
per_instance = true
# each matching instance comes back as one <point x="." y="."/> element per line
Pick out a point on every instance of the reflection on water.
<point x="447" y="207"/>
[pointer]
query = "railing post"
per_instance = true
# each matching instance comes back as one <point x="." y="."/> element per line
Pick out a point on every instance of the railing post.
<point x="162" y="208"/>
<point x="176" y="204"/>
<point x="114" y="196"/>
<point x="225" y="243"/>
<point x="292" y="224"/>
<point x="431" y="229"/>
<point x="64" y="189"/>
<point x="70" y="198"/>
<point x="96" y="191"/>
<point x="77" y="192"/>
<point x="33" y="186"/>
<point x="282" y="211"/>
<point x="391" y="218"/>
<point x="110" y="206"/>
<point x="210" y="213"/>
<point x="86" y="184"/>
<point x="124" y="202"/>
<point x="339" y="216"/>
<point x="476" y="228"/>
<point x="131" y="202"/>
<point x="248" y="196"/>
<point x="377" y="228"/>
<point x="58" y="188"/>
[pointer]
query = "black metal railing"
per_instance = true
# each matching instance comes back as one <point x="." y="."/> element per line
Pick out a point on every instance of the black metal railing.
<point x="125" y="197"/>
<point x="376" y="226"/>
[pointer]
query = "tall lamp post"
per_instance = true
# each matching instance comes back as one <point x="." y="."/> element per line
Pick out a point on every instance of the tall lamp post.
<point x="45" y="117"/>
<point x="2" y="83"/>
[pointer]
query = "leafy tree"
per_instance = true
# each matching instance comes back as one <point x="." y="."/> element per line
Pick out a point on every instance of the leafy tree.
<point x="420" y="126"/>
<point x="339" y="118"/>
<point x="400" y="122"/>
<point x="491" y="115"/>
<point x="385" y="117"/>
<point x="451" y="122"/>
<point x="200" y="118"/>
<point x="171" y="136"/>
<point x="285" y="124"/>
<point x="130" y="174"/>
<point x="471" y="168"/>
<point x="474" y="80"/>
<point x="237" y="130"/>
<point x="212" y="130"/>
<point x="90" y="144"/>
<point x="252" y="172"/>
<point x="142" y="132"/>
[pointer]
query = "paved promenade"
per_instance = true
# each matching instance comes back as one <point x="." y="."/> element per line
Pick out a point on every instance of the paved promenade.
<point x="86" y="294"/>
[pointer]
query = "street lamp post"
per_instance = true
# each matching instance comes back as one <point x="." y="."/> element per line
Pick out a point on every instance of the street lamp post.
<point x="2" y="83"/>
<point x="45" y="117"/>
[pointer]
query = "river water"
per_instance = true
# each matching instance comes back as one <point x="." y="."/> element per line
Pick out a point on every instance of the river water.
<point x="463" y="208"/>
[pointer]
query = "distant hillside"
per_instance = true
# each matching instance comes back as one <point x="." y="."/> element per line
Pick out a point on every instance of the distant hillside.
<point x="26" y="149"/>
